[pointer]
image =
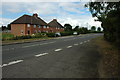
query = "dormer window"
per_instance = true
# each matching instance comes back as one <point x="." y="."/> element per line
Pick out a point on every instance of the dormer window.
<point x="28" y="25"/>
<point x="34" y="26"/>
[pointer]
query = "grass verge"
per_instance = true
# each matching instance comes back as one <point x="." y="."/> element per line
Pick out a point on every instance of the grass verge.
<point x="110" y="58"/>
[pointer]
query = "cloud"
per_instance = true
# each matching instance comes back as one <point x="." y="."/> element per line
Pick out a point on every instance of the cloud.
<point x="66" y="12"/>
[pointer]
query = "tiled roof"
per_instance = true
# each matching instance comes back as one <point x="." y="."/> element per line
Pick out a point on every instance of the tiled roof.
<point x="27" y="19"/>
<point x="54" y="23"/>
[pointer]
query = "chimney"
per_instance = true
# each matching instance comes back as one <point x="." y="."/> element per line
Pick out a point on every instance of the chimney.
<point x="35" y="15"/>
<point x="54" y="19"/>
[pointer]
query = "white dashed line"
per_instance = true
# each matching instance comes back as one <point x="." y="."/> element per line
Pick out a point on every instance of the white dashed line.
<point x="69" y="46"/>
<point x="88" y="40"/>
<point x="58" y="49"/>
<point x="38" y="55"/>
<point x="81" y="42"/>
<point x="11" y="63"/>
<point x="75" y="44"/>
<point x="85" y="41"/>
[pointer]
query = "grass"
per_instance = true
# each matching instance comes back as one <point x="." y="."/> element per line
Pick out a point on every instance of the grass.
<point x="110" y="62"/>
<point x="7" y="35"/>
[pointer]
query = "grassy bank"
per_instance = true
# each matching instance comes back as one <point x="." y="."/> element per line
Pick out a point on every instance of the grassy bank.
<point x="110" y="62"/>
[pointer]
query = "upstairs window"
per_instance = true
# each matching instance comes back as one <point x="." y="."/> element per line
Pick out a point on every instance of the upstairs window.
<point x="34" y="26"/>
<point x="39" y="26"/>
<point x="44" y="26"/>
<point x="28" y="25"/>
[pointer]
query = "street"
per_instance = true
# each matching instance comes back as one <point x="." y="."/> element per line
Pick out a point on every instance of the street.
<point x="66" y="57"/>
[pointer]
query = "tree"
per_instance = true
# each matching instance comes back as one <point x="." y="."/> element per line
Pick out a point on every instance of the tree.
<point x="8" y="27"/>
<point x="76" y="28"/>
<point x="3" y="28"/>
<point x="99" y="29"/>
<point x="108" y="14"/>
<point x="93" y="28"/>
<point x="83" y="30"/>
<point x="68" y="27"/>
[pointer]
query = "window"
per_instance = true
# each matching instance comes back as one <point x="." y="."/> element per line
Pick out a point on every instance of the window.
<point x="47" y="26"/>
<point x="21" y="31"/>
<point x="28" y="25"/>
<point x="39" y="26"/>
<point x="44" y="26"/>
<point x="46" y="31"/>
<point x="34" y="26"/>
<point x="35" y="31"/>
<point x="39" y="31"/>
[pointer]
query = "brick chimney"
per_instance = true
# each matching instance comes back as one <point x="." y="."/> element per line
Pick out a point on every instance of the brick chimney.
<point x="54" y="19"/>
<point x="35" y="15"/>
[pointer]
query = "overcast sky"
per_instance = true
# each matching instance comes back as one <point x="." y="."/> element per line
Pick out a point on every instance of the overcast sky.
<point x="73" y="13"/>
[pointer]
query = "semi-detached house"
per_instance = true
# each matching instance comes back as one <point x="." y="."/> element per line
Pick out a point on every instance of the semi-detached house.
<point x="28" y="25"/>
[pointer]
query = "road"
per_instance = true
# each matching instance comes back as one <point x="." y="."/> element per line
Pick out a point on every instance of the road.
<point x="66" y="57"/>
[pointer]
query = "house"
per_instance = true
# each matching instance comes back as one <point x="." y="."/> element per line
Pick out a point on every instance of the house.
<point x="55" y="26"/>
<point x="28" y="25"/>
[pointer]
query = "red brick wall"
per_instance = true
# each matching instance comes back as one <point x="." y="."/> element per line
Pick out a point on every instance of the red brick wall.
<point x="16" y="29"/>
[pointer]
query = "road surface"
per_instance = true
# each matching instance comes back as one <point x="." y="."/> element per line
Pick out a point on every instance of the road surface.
<point x="66" y="57"/>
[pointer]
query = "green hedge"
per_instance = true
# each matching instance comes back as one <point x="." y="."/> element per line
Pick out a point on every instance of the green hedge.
<point x="50" y="34"/>
<point x="66" y="33"/>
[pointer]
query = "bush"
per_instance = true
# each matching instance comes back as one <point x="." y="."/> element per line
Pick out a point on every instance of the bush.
<point x="50" y="34"/>
<point x="66" y="33"/>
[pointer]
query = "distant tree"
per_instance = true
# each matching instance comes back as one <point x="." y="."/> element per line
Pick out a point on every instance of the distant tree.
<point x="68" y="27"/>
<point x="8" y="27"/>
<point x="83" y="30"/>
<point x="99" y="29"/>
<point x="3" y="28"/>
<point x="93" y="28"/>
<point x="76" y="28"/>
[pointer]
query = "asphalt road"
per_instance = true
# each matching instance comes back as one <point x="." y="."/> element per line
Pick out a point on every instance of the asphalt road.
<point x="66" y="57"/>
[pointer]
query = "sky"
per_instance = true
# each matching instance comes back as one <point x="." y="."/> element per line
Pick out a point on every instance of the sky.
<point x="73" y="13"/>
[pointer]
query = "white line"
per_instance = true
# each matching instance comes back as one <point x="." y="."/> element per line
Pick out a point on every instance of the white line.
<point x="75" y="44"/>
<point x="40" y="54"/>
<point x="69" y="46"/>
<point x="14" y="62"/>
<point x="81" y="42"/>
<point x="11" y="63"/>
<point x="85" y="41"/>
<point x="88" y="40"/>
<point x="58" y="49"/>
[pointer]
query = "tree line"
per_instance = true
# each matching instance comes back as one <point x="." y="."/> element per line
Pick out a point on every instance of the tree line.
<point x="109" y="14"/>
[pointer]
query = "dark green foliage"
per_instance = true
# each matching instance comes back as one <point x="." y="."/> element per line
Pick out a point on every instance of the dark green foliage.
<point x="109" y="14"/>
<point x="66" y="33"/>
<point x="51" y="34"/>
<point x="98" y="29"/>
<point x="83" y="30"/>
<point x="67" y="27"/>
<point x="93" y="28"/>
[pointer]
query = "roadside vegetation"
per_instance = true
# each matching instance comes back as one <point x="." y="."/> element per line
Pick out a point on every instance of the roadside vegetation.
<point x="109" y="64"/>
<point x="68" y="30"/>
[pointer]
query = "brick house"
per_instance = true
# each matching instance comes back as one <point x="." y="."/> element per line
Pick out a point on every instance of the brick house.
<point x="55" y="26"/>
<point x="28" y="25"/>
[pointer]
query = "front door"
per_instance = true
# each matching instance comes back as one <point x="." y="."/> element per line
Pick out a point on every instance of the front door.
<point x="28" y="31"/>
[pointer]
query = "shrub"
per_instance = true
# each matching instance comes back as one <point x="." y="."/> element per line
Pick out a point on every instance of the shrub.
<point x="50" y="34"/>
<point x="66" y="33"/>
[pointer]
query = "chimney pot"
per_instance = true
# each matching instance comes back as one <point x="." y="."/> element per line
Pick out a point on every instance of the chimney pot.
<point x="35" y="15"/>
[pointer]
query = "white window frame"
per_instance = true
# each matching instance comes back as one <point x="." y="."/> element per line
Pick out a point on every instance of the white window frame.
<point x="44" y="26"/>
<point x="28" y="25"/>
<point x="39" y="26"/>
<point x="34" y="26"/>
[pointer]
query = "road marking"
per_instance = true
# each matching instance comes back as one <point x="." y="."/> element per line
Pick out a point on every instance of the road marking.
<point x="75" y="44"/>
<point x="69" y="46"/>
<point x="88" y="40"/>
<point x="85" y="41"/>
<point x="58" y="49"/>
<point x="38" y="55"/>
<point x="81" y="42"/>
<point x="11" y="63"/>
